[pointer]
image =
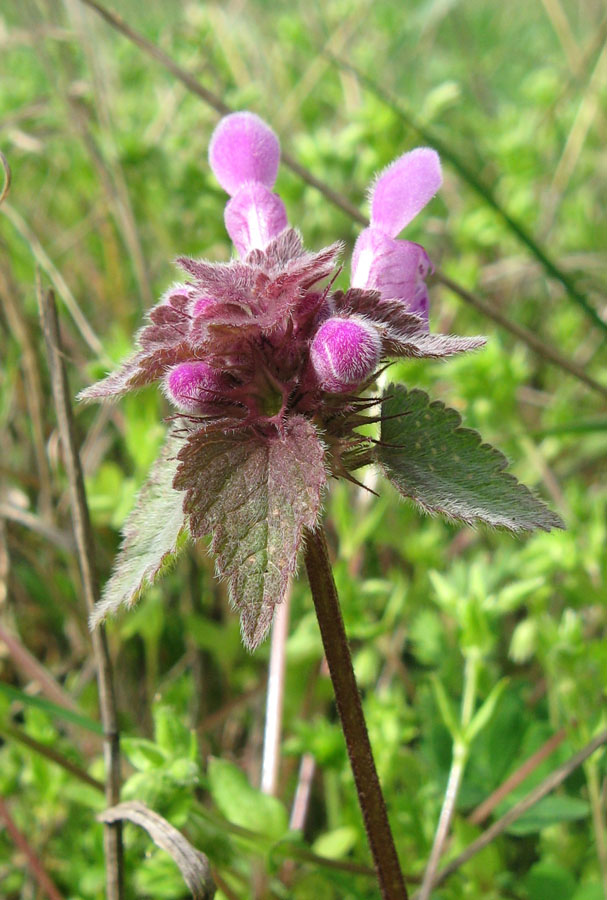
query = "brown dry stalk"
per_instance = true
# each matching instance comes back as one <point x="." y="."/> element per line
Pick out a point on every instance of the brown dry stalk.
<point x="84" y="543"/>
<point x="33" y="862"/>
<point x="58" y="758"/>
<point x="34" y="670"/>
<point x="510" y="784"/>
<point x="338" y="200"/>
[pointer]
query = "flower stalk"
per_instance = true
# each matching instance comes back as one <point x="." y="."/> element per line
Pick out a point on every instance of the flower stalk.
<point x="349" y="707"/>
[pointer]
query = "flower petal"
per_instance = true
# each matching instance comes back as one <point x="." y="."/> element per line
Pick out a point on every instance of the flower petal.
<point x="394" y="268"/>
<point x="243" y="148"/>
<point x="404" y="188"/>
<point x="254" y="216"/>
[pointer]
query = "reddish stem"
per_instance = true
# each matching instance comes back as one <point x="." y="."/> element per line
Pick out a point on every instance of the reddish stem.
<point x="337" y="651"/>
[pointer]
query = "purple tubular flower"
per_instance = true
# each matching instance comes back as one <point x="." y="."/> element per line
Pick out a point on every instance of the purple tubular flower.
<point x="394" y="268"/>
<point x="194" y="387"/>
<point x="344" y="351"/>
<point x="243" y="148"/>
<point x="244" y="154"/>
<point x="403" y="189"/>
<point x="397" y="269"/>
<point x="254" y="216"/>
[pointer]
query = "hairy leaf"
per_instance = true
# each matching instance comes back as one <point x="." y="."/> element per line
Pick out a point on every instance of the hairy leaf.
<point x="154" y="532"/>
<point x="430" y="346"/>
<point x="255" y="495"/>
<point x="404" y="334"/>
<point x="447" y="469"/>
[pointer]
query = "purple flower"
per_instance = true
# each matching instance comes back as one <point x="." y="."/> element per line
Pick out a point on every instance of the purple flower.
<point x="249" y="343"/>
<point x="395" y="268"/>
<point x="244" y="154"/>
<point x="267" y="367"/>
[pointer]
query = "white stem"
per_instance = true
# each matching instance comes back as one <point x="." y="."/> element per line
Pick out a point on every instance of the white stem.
<point x="301" y="800"/>
<point x="274" y="703"/>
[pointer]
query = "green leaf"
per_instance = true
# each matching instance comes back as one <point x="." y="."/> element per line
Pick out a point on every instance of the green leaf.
<point x="446" y="710"/>
<point x="337" y="843"/>
<point x="549" y="811"/>
<point x="485" y="712"/>
<point x="153" y="535"/>
<point x="242" y="804"/>
<point x="52" y="709"/>
<point x="446" y="469"/>
<point x="255" y="495"/>
<point x="143" y="754"/>
<point x="548" y="879"/>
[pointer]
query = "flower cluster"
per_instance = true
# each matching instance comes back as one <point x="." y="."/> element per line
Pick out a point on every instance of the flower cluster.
<point x="249" y="343"/>
<point x="267" y="366"/>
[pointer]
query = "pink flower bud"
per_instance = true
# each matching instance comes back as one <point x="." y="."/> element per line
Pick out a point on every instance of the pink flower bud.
<point x="243" y="148"/>
<point x="344" y="352"/>
<point x="254" y="216"/>
<point x="195" y="387"/>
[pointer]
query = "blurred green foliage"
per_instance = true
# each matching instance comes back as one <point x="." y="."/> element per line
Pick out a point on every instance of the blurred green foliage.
<point x="110" y="183"/>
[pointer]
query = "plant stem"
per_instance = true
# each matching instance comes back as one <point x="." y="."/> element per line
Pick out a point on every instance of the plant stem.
<point x="274" y="703"/>
<point x="84" y="543"/>
<point x="458" y="765"/>
<point x="598" y="818"/>
<point x="337" y="651"/>
<point x="549" y="783"/>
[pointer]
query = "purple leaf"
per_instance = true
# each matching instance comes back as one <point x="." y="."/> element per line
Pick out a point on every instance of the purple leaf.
<point x="255" y="495"/>
<point x="447" y="469"/>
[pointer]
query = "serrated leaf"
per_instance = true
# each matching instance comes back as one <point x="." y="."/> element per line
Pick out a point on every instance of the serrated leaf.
<point x="153" y="534"/>
<point x="256" y="495"/>
<point x="447" y="469"/>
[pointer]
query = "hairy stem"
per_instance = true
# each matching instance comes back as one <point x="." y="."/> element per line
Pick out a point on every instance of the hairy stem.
<point x="84" y="542"/>
<point x="337" y="651"/>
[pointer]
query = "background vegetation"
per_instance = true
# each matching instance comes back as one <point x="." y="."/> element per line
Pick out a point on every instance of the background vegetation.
<point x="110" y="184"/>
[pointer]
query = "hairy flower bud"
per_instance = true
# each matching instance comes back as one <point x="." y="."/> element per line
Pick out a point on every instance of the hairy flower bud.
<point x="195" y="387"/>
<point x="344" y="351"/>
